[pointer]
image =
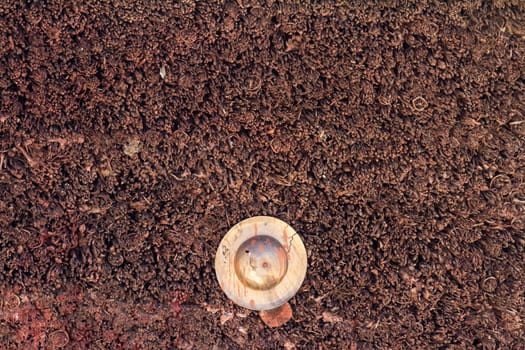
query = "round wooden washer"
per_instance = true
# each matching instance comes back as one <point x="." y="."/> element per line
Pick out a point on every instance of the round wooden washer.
<point x="261" y="263"/>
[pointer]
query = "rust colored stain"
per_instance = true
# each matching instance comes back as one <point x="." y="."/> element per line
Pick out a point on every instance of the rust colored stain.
<point x="255" y="229"/>
<point x="252" y="303"/>
<point x="285" y="239"/>
<point x="283" y="262"/>
<point x="261" y="247"/>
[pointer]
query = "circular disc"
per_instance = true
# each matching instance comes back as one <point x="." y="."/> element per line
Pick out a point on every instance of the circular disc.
<point x="261" y="263"/>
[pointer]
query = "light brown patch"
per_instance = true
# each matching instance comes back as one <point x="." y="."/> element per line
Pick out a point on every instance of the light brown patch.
<point x="238" y="284"/>
<point x="283" y="261"/>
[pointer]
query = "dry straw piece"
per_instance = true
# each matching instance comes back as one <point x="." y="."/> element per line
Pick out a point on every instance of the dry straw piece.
<point x="261" y="263"/>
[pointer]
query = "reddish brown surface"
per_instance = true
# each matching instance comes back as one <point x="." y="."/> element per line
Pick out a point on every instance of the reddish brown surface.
<point x="391" y="138"/>
<point x="277" y="317"/>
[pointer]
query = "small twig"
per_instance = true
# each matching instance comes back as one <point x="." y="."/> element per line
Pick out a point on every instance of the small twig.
<point x="63" y="142"/>
<point x="32" y="163"/>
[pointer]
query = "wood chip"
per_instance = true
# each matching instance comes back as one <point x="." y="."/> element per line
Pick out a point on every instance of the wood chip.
<point x="331" y="318"/>
<point x="277" y="317"/>
<point x="225" y="317"/>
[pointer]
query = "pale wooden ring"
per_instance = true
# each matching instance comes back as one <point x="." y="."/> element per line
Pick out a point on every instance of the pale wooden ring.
<point x="245" y="296"/>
